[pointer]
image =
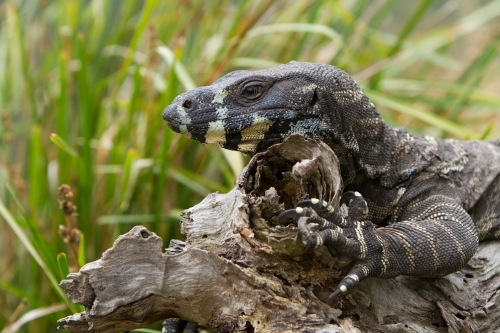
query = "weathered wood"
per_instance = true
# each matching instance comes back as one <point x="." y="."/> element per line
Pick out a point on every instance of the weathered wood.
<point x="239" y="272"/>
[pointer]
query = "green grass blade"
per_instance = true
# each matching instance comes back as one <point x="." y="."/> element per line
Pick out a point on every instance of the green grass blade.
<point x="252" y="63"/>
<point x="235" y="160"/>
<point x="132" y="219"/>
<point x="382" y="13"/>
<point x="162" y="158"/>
<point x="3" y="71"/>
<point x="62" y="262"/>
<point x="22" y="220"/>
<point x="487" y="132"/>
<point x="180" y="70"/>
<point x="429" y="118"/>
<point x="33" y="315"/>
<point x="410" y="25"/>
<point x="199" y="180"/>
<point x="193" y="184"/>
<point x="16" y="30"/>
<point x="63" y="145"/>
<point x="37" y="168"/>
<point x="295" y="27"/>
<point x="87" y="118"/>
<point x="138" y="31"/>
<point x="479" y="17"/>
<point x="20" y="293"/>
<point x="7" y="216"/>
<point x="63" y="124"/>
<point x="82" y="259"/>
<point x="480" y="65"/>
<point x="127" y="180"/>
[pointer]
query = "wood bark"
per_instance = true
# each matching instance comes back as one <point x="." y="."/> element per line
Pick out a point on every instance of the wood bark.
<point x="239" y="271"/>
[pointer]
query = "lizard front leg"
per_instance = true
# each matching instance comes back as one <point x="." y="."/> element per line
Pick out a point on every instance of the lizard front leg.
<point x="435" y="237"/>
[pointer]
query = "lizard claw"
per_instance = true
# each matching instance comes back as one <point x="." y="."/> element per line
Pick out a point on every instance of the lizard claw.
<point x="345" y="285"/>
<point x="309" y="239"/>
<point x="287" y="217"/>
<point x="358" y="207"/>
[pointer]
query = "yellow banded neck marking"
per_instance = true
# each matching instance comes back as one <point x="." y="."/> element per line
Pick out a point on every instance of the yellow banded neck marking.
<point x="216" y="135"/>
<point x="253" y="134"/>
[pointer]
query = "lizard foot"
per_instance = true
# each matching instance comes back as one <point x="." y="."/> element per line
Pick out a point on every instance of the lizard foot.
<point x="352" y="237"/>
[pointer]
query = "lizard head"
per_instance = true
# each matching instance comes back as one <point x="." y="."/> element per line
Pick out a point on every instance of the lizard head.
<point x="249" y="111"/>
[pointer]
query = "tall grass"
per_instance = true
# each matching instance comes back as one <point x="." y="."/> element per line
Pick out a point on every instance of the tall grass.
<point x="83" y="84"/>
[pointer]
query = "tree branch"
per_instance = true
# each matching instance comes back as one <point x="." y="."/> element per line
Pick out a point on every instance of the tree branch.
<point x="240" y="272"/>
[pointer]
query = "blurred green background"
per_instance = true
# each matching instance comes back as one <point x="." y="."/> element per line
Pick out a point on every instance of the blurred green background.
<point x="83" y="85"/>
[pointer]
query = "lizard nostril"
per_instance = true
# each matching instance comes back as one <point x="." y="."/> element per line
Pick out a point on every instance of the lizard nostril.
<point x="187" y="104"/>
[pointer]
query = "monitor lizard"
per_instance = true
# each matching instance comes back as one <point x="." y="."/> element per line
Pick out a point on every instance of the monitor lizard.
<point x="435" y="199"/>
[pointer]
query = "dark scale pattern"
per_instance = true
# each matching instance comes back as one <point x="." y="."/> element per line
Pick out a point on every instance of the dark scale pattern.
<point x="176" y="325"/>
<point x="436" y="198"/>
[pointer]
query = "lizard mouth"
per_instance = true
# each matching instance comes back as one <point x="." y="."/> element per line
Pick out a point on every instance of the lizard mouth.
<point x="247" y="130"/>
<point x="204" y="117"/>
<point x="172" y="121"/>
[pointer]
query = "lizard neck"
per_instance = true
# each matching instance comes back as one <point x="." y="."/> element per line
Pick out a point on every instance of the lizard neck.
<point x="364" y="145"/>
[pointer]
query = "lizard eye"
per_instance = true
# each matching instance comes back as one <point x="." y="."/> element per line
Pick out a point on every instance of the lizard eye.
<point x="251" y="92"/>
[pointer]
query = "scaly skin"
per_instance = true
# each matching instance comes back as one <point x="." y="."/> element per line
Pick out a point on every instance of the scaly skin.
<point x="436" y="198"/>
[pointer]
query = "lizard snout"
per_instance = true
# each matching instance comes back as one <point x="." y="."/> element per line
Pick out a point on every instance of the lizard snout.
<point x="170" y="115"/>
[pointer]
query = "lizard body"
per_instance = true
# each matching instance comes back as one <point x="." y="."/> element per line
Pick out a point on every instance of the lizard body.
<point x="436" y="199"/>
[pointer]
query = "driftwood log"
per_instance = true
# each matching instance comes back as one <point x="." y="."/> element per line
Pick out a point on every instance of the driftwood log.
<point x="240" y="272"/>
